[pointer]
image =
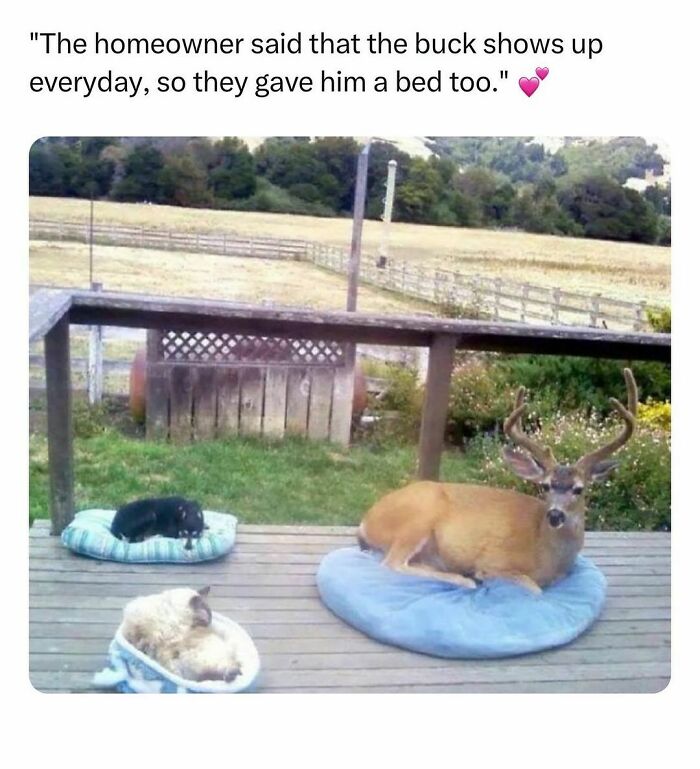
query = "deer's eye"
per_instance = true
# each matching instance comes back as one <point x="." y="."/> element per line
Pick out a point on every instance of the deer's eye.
<point x="546" y="486"/>
<point x="577" y="490"/>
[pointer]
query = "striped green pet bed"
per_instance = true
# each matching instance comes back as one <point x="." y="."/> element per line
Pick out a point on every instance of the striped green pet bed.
<point x="89" y="534"/>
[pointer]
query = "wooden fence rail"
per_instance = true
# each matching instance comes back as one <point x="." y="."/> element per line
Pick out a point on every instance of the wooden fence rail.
<point x="480" y="296"/>
<point x="223" y="243"/>
<point x="475" y="296"/>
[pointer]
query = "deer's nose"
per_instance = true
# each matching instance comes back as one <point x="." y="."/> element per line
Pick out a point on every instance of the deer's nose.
<point x="556" y="518"/>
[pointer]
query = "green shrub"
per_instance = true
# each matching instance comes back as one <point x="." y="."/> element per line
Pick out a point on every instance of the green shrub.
<point x="479" y="400"/>
<point x="88" y="420"/>
<point x="636" y="496"/>
<point x="660" y="320"/>
<point x="473" y="311"/>
<point x="399" y="409"/>
<point x="566" y="383"/>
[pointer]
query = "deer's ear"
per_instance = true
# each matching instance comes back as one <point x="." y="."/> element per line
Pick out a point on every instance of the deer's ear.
<point x="602" y="470"/>
<point x="523" y="464"/>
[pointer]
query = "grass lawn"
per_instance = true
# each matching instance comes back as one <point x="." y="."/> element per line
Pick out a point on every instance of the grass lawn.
<point x="292" y="481"/>
<point x="205" y="276"/>
<point x="295" y="481"/>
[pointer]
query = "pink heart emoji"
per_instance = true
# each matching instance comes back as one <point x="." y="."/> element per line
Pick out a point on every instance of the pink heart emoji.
<point x="528" y="85"/>
<point x="542" y="72"/>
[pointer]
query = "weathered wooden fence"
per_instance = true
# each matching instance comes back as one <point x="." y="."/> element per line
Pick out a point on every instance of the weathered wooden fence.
<point x="223" y="243"/>
<point x="478" y="296"/>
<point x="475" y="296"/>
<point x="205" y="385"/>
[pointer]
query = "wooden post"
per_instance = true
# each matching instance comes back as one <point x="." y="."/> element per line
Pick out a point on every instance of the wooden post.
<point x="157" y="389"/>
<point x="435" y="405"/>
<point x="595" y="309"/>
<point x="640" y="316"/>
<point x="497" y="298"/>
<point x="523" y="302"/>
<point x="343" y="392"/>
<point x="358" y="216"/>
<point x="556" y="302"/>
<point x="95" y="372"/>
<point x="59" y="425"/>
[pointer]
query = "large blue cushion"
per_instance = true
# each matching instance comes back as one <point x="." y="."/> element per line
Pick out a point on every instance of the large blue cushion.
<point x="497" y="619"/>
<point x="89" y="534"/>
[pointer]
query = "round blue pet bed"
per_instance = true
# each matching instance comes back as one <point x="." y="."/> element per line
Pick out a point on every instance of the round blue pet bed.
<point x="89" y="534"/>
<point x="497" y="619"/>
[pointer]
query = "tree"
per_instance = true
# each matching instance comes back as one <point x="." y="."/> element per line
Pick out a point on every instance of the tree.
<point x="417" y="196"/>
<point x="659" y="197"/>
<point x="142" y="179"/>
<point x="184" y="182"/>
<point x="492" y="195"/>
<point x="605" y="209"/>
<point x="232" y="173"/>
<point x="339" y="158"/>
<point x="45" y="171"/>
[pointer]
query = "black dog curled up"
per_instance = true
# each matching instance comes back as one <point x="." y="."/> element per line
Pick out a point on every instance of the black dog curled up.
<point x="174" y="517"/>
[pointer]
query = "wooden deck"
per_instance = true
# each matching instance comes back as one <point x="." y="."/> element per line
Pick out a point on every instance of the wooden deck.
<point x="268" y="586"/>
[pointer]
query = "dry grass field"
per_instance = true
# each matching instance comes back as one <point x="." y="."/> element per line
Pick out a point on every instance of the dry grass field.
<point x="203" y="276"/>
<point x="622" y="270"/>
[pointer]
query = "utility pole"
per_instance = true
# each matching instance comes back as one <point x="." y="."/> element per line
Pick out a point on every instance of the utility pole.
<point x="92" y="206"/>
<point x="95" y="372"/>
<point x="388" y="208"/>
<point x="358" y="216"/>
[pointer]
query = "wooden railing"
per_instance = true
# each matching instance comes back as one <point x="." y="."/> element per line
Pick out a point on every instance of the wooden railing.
<point x="470" y="295"/>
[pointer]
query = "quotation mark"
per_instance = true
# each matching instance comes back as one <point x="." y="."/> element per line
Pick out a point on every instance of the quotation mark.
<point x="528" y="85"/>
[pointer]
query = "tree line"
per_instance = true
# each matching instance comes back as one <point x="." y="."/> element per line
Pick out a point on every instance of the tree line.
<point x="509" y="183"/>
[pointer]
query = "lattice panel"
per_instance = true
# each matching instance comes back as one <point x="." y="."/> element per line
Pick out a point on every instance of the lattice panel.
<point x="203" y="347"/>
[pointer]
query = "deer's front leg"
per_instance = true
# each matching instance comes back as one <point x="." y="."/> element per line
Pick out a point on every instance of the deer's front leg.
<point x="521" y="579"/>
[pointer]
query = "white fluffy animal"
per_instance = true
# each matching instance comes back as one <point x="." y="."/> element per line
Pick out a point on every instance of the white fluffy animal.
<point x="174" y="629"/>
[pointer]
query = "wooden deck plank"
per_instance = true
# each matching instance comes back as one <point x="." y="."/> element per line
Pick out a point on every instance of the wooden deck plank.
<point x="93" y="642"/>
<point x="248" y="586"/>
<point x="268" y="584"/>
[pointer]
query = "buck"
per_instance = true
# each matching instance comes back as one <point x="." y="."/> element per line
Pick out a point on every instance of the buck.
<point x="461" y="533"/>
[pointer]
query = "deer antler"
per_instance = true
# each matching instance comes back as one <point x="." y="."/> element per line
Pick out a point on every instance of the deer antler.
<point x="513" y="428"/>
<point x="629" y="415"/>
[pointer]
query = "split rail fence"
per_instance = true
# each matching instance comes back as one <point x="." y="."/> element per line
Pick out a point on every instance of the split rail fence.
<point x="476" y="296"/>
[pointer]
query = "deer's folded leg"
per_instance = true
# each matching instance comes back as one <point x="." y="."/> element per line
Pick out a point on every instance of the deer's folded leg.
<point x="403" y="550"/>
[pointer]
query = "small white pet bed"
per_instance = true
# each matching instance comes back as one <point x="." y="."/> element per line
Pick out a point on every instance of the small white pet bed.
<point x="132" y="672"/>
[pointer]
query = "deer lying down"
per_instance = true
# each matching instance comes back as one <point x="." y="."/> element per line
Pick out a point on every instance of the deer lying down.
<point x="460" y="533"/>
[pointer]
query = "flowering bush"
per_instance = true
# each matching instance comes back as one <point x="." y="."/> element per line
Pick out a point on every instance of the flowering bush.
<point x="655" y="414"/>
<point x="479" y="400"/>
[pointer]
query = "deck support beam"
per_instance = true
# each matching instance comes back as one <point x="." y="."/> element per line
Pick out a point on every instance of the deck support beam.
<point x="59" y="424"/>
<point x="435" y="406"/>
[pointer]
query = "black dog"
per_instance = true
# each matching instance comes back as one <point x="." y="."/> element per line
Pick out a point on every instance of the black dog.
<point x="168" y="516"/>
